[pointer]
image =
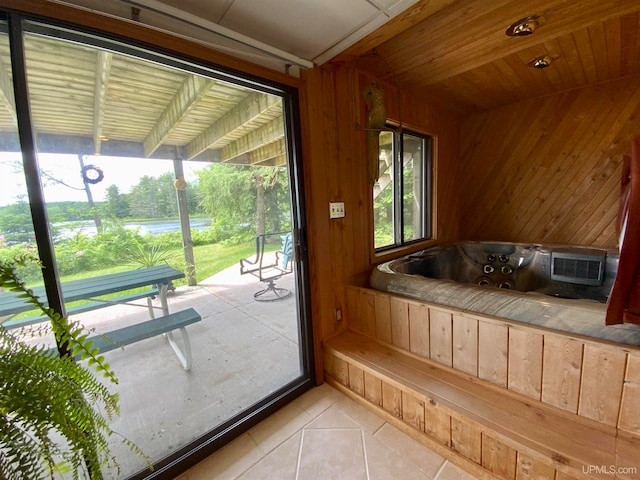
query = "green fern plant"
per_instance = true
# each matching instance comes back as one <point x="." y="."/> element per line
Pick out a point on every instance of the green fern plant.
<point x="54" y="412"/>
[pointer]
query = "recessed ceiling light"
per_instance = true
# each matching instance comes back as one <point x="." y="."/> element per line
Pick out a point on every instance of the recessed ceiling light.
<point x="524" y="26"/>
<point x="541" y="62"/>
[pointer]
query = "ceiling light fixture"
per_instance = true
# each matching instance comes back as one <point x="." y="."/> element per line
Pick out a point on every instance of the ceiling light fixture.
<point x="541" y="62"/>
<point x="524" y="26"/>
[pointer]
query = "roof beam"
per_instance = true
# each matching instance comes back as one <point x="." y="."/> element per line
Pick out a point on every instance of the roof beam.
<point x="249" y="109"/>
<point x="192" y="90"/>
<point x="267" y="133"/>
<point x="103" y="71"/>
<point x="7" y="99"/>
<point x="74" y="144"/>
<point x="272" y="154"/>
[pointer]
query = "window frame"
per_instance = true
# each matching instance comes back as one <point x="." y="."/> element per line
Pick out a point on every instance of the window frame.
<point x="427" y="149"/>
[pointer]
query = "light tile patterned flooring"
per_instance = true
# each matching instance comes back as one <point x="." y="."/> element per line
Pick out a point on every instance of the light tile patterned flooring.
<point x="325" y="435"/>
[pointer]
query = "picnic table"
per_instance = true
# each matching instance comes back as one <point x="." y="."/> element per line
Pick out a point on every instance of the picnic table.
<point x="157" y="279"/>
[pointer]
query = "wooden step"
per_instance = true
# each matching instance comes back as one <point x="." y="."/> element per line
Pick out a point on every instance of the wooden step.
<point x="567" y="442"/>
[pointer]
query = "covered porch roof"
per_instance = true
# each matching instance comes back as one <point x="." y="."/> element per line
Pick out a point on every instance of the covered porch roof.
<point x="99" y="102"/>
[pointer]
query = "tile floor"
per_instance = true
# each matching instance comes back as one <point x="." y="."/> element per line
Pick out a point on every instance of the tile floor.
<point x="325" y="435"/>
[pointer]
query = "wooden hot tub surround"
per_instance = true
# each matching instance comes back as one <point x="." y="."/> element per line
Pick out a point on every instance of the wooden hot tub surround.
<point x="501" y="399"/>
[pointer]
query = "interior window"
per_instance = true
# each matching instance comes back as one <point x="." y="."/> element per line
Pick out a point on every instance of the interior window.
<point x="402" y="194"/>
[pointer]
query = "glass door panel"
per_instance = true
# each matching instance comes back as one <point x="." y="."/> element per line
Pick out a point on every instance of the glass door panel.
<point x="17" y="235"/>
<point x="169" y="193"/>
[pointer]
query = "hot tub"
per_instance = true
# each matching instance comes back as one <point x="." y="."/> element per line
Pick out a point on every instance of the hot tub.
<point x="555" y="286"/>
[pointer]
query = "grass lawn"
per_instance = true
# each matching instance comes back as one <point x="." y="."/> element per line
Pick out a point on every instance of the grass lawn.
<point x="210" y="259"/>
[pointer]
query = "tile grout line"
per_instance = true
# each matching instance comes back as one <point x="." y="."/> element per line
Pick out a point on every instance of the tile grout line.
<point x="253" y="464"/>
<point x="316" y="415"/>
<point x="302" y="431"/>
<point x="299" y="454"/>
<point x="408" y="461"/>
<point x="378" y="429"/>
<point x="364" y="451"/>
<point x="335" y="429"/>
<point x="440" y="470"/>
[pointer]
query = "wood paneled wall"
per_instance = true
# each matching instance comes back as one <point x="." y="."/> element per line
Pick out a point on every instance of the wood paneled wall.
<point x="548" y="170"/>
<point x="335" y="169"/>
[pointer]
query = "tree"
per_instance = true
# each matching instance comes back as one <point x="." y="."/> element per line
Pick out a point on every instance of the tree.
<point x="275" y="209"/>
<point x="166" y="196"/>
<point x="15" y="223"/>
<point x="228" y="195"/>
<point x="118" y="204"/>
<point x="245" y="199"/>
<point x="154" y="197"/>
<point x="143" y="198"/>
<point x="193" y="203"/>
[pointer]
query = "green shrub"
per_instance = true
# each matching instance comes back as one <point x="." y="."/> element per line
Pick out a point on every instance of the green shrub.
<point x="29" y="272"/>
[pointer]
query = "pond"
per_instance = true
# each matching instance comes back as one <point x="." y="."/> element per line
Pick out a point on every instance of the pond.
<point x="156" y="227"/>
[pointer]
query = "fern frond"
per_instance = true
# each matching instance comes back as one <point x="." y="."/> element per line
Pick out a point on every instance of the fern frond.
<point x="44" y="395"/>
<point x="50" y="405"/>
<point x="69" y="333"/>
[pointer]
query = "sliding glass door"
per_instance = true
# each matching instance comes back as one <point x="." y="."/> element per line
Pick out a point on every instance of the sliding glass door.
<point x="173" y="208"/>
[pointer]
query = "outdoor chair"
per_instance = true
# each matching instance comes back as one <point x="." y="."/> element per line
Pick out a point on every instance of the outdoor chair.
<point x="270" y="266"/>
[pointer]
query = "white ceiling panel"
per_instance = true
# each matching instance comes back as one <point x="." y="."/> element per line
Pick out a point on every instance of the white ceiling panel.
<point x="390" y="5"/>
<point x="351" y="38"/>
<point x="303" y="27"/>
<point x="212" y="10"/>
<point x="397" y="7"/>
<point x="307" y="30"/>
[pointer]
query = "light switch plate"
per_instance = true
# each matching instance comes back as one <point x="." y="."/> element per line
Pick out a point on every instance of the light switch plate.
<point x="336" y="210"/>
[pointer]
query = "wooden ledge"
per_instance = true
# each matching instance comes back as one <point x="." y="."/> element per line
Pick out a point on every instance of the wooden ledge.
<point x="567" y="441"/>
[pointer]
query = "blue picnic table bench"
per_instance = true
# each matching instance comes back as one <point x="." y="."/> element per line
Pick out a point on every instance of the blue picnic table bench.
<point x="156" y="280"/>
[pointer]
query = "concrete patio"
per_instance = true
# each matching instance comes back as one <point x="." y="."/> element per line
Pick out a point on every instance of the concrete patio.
<point x="242" y="351"/>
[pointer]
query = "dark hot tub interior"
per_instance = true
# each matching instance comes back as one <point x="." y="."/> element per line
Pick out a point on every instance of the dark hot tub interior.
<point x="561" y="287"/>
<point x="560" y="271"/>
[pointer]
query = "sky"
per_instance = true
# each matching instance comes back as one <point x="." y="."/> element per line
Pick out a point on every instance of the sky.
<point x="123" y="172"/>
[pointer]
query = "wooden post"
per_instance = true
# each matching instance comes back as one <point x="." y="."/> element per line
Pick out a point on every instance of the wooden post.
<point x="185" y="226"/>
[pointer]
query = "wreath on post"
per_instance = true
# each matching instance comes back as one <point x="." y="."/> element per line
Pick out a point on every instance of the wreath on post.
<point x="92" y="174"/>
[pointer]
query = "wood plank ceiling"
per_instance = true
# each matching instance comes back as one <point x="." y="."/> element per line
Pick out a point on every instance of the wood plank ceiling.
<point x="462" y="55"/>
<point x="77" y="91"/>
